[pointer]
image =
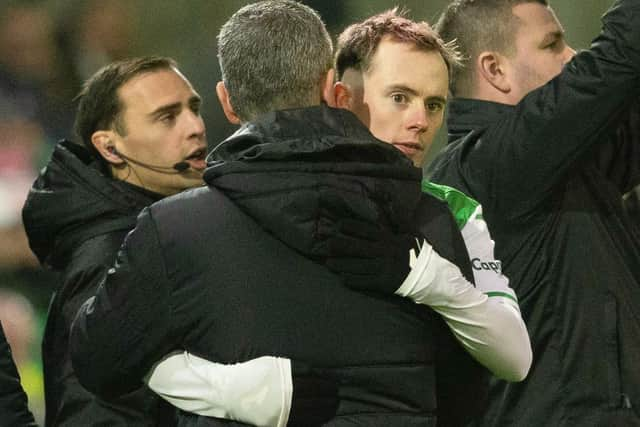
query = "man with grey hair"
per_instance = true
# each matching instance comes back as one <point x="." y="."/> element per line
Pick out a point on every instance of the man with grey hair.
<point x="548" y="141"/>
<point x="237" y="270"/>
<point x="259" y="73"/>
<point x="403" y="107"/>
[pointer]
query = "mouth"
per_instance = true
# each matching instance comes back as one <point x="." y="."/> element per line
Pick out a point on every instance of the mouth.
<point x="197" y="159"/>
<point x="409" y="148"/>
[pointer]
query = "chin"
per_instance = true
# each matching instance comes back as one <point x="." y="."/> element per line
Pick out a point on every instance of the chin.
<point x="193" y="182"/>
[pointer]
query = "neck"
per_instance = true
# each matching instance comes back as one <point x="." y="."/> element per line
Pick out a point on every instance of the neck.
<point x="134" y="176"/>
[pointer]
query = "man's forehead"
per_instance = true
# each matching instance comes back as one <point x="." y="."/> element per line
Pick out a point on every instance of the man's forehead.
<point x="396" y="49"/>
<point x="536" y="17"/>
<point x="400" y="62"/>
<point x="155" y="88"/>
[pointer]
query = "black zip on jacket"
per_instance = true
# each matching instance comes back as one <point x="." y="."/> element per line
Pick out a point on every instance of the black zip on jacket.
<point x="550" y="173"/>
<point x="233" y="271"/>
<point x="76" y="219"/>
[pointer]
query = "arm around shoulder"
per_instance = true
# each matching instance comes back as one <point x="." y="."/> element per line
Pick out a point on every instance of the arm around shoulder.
<point x="491" y="331"/>
<point x="257" y="392"/>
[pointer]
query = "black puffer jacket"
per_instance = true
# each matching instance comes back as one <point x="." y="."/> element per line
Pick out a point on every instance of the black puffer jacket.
<point x="76" y="219"/>
<point x="226" y="273"/>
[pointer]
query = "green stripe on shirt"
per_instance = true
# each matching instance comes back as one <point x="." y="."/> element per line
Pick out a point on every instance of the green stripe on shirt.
<point x="461" y="206"/>
<point x="502" y="294"/>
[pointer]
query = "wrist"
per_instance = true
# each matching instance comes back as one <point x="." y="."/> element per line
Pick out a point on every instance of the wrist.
<point x="417" y="283"/>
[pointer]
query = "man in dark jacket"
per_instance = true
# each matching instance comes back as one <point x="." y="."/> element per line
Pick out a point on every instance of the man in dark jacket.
<point x="234" y="271"/>
<point x="13" y="400"/>
<point x="86" y="200"/>
<point x="403" y="107"/>
<point x="534" y="139"/>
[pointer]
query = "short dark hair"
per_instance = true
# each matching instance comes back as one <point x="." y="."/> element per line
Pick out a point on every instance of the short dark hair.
<point x="358" y="43"/>
<point x="99" y="106"/>
<point x="477" y="26"/>
<point x="273" y="55"/>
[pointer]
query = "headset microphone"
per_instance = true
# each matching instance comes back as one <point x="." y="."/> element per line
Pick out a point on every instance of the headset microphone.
<point x="181" y="166"/>
<point x="176" y="168"/>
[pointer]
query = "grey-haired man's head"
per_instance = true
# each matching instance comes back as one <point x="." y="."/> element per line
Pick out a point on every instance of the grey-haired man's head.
<point x="273" y="55"/>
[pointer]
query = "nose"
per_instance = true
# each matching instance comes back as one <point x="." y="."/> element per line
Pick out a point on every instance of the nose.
<point x="419" y="119"/>
<point x="568" y="53"/>
<point x="195" y="125"/>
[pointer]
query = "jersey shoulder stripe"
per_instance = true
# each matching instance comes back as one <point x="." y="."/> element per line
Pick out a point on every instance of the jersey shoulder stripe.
<point x="461" y="206"/>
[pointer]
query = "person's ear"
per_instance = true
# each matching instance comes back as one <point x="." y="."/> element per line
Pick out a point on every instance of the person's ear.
<point x="492" y="69"/>
<point x="327" y="88"/>
<point x="104" y="142"/>
<point x="223" y="97"/>
<point x="343" y="95"/>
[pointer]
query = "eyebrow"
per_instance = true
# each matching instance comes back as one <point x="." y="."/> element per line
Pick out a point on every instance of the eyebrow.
<point x="193" y="100"/>
<point x="437" y="99"/>
<point x="402" y="88"/>
<point x="552" y="37"/>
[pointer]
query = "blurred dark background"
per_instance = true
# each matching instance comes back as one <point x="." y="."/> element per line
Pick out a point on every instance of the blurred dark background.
<point x="48" y="47"/>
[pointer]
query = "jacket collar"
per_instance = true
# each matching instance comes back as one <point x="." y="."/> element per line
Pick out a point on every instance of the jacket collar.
<point x="73" y="200"/>
<point x="283" y="133"/>
<point x="301" y="173"/>
<point x="466" y="115"/>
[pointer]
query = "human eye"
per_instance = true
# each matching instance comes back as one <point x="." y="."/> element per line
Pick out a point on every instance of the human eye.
<point x="435" y="107"/>
<point x="168" y="118"/>
<point x="195" y="107"/>
<point x="553" y="45"/>
<point x="399" y="98"/>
